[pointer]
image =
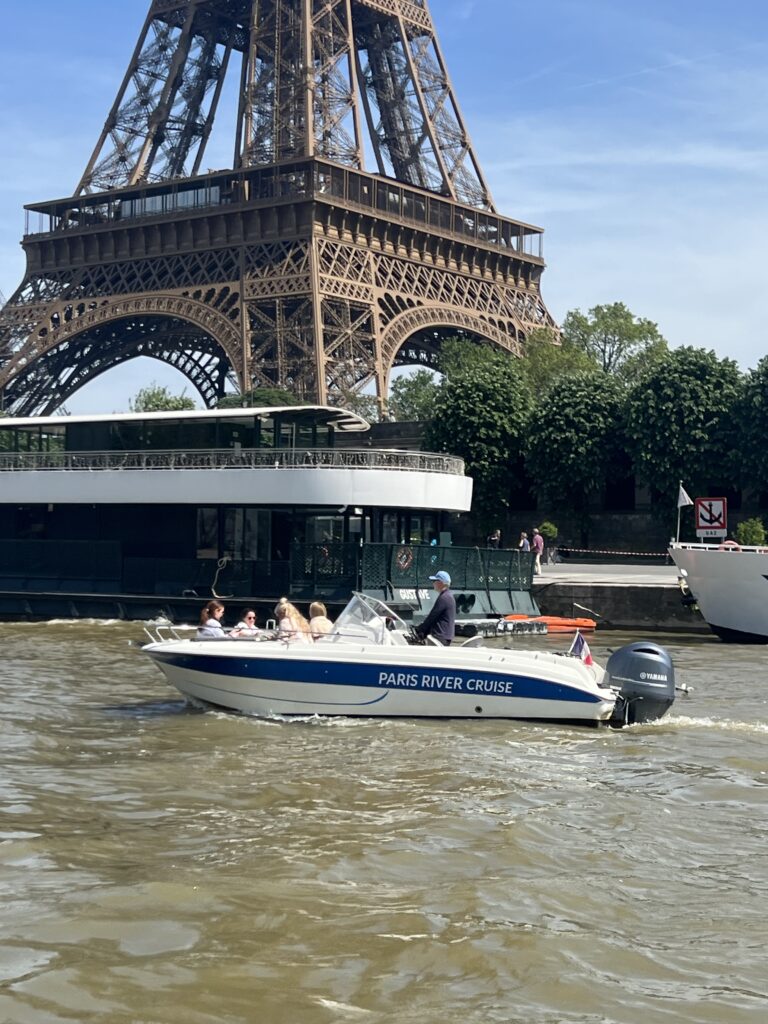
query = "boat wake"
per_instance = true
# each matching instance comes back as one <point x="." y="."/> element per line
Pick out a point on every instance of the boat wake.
<point x="151" y="709"/>
<point x="721" y="724"/>
<point x="323" y="721"/>
<point x="67" y="622"/>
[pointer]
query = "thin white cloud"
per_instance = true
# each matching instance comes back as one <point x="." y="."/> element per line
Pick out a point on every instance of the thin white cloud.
<point x="672" y="64"/>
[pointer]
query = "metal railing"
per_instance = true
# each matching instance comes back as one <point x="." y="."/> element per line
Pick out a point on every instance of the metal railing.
<point x="281" y="183"/>
<point x="328" y="570"/>
<point x="228" y="458"/>
<point x="724" y="546"/>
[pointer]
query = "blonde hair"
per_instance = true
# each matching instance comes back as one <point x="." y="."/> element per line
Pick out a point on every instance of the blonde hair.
<point x="317" y="608"/>
<point x="285" y="610"/>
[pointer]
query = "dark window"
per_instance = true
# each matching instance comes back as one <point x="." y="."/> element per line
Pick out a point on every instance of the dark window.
<point x="207" y="533"/>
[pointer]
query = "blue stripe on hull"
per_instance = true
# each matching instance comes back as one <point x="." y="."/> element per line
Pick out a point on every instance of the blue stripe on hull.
<point x="393" y="678"/>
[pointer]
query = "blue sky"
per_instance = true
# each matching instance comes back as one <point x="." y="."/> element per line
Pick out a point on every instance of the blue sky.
<point x="635" y="133"/>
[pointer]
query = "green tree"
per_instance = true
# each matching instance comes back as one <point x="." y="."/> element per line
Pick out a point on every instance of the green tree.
<point x="751" y="531"/>
<point x="363" y="405"/>
<point x="548" y="356"/>
<point x="576" y="441"/>
<point x="259" y="398"/>
<point x="679" y="422"/>
<point x="481" y="416"/>
<point x="414" y="397"/>
<point x="462" y="355"/>
<point x="752" y="424"/>
<point x="613" y="336"/>
<point x="156" y="398"/>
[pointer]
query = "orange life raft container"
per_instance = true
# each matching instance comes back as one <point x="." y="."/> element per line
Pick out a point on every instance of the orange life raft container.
<point x="556" y="623"/>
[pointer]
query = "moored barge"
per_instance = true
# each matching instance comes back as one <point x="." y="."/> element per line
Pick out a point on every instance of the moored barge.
<point x="137" y="515"/>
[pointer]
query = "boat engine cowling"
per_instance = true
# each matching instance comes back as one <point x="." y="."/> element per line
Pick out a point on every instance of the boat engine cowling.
<point x="644" y="675"/>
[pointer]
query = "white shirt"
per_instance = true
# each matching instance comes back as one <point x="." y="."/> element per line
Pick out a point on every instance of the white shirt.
<point x="212" y="629"/>
<point x="291" y="635"/>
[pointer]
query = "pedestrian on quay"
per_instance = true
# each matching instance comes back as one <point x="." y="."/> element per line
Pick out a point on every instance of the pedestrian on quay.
<point x="494" y="540"/>
<point x="538" y="550"/>
<point x="524" y="544"/>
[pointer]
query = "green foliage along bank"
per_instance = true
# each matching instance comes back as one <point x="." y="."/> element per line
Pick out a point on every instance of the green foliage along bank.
<point x="604" y="403"/>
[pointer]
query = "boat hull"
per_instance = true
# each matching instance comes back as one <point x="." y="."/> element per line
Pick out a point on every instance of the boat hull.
<point x="730" y="586"/>
<point x="280" y="682"/>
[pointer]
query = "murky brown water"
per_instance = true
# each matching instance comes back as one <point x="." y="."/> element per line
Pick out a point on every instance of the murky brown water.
<point x="164" y="866"/>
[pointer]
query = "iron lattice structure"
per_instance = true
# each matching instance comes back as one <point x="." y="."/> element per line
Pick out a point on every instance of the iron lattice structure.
<point x="298" y="267"/>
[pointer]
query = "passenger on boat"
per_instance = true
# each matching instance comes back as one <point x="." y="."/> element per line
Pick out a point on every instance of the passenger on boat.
<point x="319" y="622"/>
<point x="293" y="628"/>
<point x="441" y="621"/>
<point x="210" y="627"/>
<point x="247" y="625"/>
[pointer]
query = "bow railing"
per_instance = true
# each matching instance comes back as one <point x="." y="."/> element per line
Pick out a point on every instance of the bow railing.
<point x="229" y="458"/>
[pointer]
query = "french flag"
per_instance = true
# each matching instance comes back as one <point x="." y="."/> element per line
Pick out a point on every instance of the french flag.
<point x="580" y="649"/>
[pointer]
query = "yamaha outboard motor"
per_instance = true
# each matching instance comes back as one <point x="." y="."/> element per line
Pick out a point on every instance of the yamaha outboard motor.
<point x="645" y="677"/>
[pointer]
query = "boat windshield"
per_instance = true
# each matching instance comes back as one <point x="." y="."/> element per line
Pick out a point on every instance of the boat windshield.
<point x="369" y="620"/>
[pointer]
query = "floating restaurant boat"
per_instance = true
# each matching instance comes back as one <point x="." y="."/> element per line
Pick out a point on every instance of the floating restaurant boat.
<point x="140" y="515"/>
<point x="729" y="583"/>
<point x="369" y="666"/>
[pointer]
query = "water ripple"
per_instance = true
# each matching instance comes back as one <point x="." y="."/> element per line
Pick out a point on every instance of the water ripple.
<point x="161" y="865"/>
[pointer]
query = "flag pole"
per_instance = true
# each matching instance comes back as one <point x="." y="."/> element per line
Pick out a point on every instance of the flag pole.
<point x="683" y="499"/>
<point x="677" y="537"/>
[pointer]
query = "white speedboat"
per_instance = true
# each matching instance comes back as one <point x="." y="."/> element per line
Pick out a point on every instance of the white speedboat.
<point x="729" y="583"/>
<point x="370" y="666"/>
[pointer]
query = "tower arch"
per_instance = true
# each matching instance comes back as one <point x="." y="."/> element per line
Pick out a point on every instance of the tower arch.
<point x="77" y="342"/>
<point x="414" y="337"/>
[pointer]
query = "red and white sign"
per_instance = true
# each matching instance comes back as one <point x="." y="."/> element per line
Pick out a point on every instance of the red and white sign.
<point x="711" y="517"/>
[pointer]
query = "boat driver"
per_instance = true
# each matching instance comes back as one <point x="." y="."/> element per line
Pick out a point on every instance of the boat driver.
<point x="441" y="621"/>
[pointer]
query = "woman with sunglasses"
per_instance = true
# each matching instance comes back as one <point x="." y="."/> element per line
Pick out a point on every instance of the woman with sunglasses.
<point x="247" y="625"/>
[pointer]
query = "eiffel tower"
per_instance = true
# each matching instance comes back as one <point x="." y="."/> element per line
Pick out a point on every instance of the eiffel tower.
<point x="354" y="231"/>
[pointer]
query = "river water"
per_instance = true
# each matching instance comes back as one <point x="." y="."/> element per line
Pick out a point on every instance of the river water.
<point x="160" y="865"/>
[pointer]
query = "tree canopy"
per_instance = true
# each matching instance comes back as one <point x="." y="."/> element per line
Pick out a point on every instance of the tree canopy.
<point x="679" y="420"/>
<point x="156" y="398"/>
<point x="613" y="336"/>
<point x="547" y="357"/>
<point x="482" y="414"/>
<point x="259" y="398"/>
<point x="414" y="397"/>
<point x="461" y="355"/>
<point x="752" y="426"/>
<point x="574" y="440"/>
<point x="360" y="403"/>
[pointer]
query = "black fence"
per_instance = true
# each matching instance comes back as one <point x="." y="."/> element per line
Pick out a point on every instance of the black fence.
<point x="408" y="567"/>
<point x="328" y="570"/>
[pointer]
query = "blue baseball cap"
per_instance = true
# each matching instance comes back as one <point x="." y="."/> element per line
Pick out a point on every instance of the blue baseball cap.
<point x="443" y="577"/>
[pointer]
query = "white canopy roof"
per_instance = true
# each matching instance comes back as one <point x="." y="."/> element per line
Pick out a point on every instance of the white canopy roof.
<point x="341" y="418"/>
